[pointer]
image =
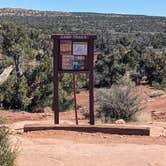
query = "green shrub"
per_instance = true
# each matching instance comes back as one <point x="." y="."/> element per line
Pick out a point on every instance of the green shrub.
<point x="118" y="102"/>
<point x="155" y="68"/>
<point x="156" y="94"/>
<point x="7" y="154"/>
<point x="108" y="69"/>
<point x="34" y="89"/>
<point x="14" y="93"/>
<point x="85" y="111"/>
<point x="156" y="85"/>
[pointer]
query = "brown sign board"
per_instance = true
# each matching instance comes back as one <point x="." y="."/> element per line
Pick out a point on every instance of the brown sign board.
<point x="73" y="54"/>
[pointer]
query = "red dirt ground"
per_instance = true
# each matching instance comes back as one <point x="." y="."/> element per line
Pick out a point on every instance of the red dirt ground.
<point x="68" y="148"/>
<point x="95" y="138"/>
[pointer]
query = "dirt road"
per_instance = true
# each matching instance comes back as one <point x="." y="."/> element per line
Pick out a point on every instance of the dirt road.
<point x="81" y="149"/>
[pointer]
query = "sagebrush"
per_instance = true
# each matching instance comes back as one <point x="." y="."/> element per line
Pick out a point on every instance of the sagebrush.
<point x="118" y="102"/>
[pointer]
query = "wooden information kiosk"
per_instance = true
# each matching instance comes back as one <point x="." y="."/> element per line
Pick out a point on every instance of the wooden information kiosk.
<point x="73" y="54"/>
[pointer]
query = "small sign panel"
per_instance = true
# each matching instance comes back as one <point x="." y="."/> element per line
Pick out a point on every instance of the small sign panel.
<point x="80" y="48"/>
<point x="76" y="37"/>
<point x="79" y="63"/>
<point x="65" y="47"/>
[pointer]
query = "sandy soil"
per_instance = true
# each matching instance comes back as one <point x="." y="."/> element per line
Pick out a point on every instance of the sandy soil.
<point x="61" y="148"/>
<point x="69" y="148"/>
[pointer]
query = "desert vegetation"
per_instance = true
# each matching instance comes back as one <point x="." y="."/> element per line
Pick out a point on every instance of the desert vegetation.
<point x="130" y="52"/>
<point x="118" y="102"/>
<point x="125" y="45"/>
<point x="7" y="153"/>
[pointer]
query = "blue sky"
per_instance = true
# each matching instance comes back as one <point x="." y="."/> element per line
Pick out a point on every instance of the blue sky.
<point x="145" y="7"/>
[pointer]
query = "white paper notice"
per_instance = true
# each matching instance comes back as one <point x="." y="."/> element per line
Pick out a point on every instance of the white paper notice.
<point x="80" y="48"/>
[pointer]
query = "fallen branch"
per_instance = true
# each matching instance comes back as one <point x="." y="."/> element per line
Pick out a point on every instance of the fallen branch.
<point x="5" y="74"/>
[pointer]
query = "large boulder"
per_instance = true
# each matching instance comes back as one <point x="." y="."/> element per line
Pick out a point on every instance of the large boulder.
<point x="120" y="121"/>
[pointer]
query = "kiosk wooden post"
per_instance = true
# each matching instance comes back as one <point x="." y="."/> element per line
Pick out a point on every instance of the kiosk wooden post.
<point x="73" y="54"/>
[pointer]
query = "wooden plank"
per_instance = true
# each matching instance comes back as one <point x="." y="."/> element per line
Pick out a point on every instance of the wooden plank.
<point x="110" y="129"/>
<point x="91" y="82"/>
<point x="56" y="81"/>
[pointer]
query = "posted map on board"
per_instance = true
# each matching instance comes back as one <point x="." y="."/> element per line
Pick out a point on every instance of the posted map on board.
<point x="80" y="48"/>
